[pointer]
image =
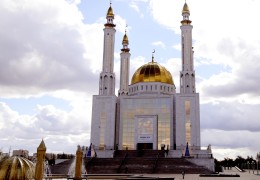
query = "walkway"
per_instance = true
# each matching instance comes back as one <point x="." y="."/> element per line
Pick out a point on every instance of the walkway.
<point x="243" y="176"/>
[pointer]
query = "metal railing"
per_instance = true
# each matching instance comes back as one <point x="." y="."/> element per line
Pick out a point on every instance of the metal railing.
<point x="156" y="163"/>
<point x="122" y="163"/>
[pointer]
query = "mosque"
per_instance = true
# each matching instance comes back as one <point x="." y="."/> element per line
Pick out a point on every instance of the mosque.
<point x="147" y="113"/>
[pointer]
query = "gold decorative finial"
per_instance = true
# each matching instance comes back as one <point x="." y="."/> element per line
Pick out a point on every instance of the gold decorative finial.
<point x="153" y="56"/>
<point x="110" y="10"/>
<point x="185" y="8"/>
<point x="125" y="38"/>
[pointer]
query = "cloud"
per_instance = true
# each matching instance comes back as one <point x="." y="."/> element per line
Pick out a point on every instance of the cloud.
<point x="46" y="46"/>
<point x="47" y="49"/>
<point x="135" y="7"/>
<point x="159" y="44"/>
<point x="120" y="24"/>
<point x="241" y="80"/>
<point x="231" y="143"/>
<point x="175" y="64"/>
<point x="233" y="153"/>
<point x="230" y="116"/>
<point x="134" y="4"/>
<point x="50" y="123"/>
<point x="177" y="47"/>
<point x="135" y="63"/>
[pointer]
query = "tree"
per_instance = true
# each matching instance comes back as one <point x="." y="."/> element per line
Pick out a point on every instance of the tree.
<point x="240" y="162"/>
<point x="251" y="162"/>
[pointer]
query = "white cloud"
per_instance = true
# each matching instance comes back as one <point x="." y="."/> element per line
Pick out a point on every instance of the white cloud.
<point x="51" y="49"/>
<point x="233" y="153"/>
<point x="135" y="63"/>
<point x="159" y="44"/>
<point x="175" y="64"/>
<point x="121" y="24"/>
<point x="231" y="143"/>
<point x="46" y="46"/>
<point x="177" y="47"/>
<point x="135" y="7"/>
<point x="230" y="116"/>
<point x="47" y="49"/>
<point x="134" y="4"/>
<point x="51" y="124"/>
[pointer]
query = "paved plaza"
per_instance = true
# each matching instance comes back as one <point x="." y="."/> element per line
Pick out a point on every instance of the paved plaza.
<point x="243" y="176"/>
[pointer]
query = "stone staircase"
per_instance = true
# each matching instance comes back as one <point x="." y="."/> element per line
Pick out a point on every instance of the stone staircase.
<point x="178" y="165"/>
<point x="138" y="153"/>
<point x="102" y="165"/>
<point x="142" y="162"/>
<point x="62" y="168"/>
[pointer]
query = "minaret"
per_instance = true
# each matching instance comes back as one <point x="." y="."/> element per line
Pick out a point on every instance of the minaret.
<point x="187" y="75"/>
<point x="104" y="107"/>
<point x="39" y="170"/>
<point x="124" y="69"/>
<point x="107" y="76"/>
<point x="78" y="166"/>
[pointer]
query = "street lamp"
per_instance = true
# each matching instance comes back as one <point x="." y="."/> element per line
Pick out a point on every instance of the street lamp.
<point x="253" y="166"/>
<point x="248" y="166"/>
<point x="257" y="161"/>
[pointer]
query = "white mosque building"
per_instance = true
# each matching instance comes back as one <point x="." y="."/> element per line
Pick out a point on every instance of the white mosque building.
<point x="147" y="113"/>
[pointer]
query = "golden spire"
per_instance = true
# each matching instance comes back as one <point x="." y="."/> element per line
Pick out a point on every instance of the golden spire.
<point x="185" y="8"/>
<point x="185" y="14"/>
<point x="42" y="145"/>
<point x="153" y="56"/>
<point x="78" y="166"/>
<point x="110" y="10"/>
<point x="125" y="38"/>
<point x="39" y="169"/>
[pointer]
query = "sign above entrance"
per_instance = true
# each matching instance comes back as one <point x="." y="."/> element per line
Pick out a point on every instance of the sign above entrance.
<point x="145" y="138"/>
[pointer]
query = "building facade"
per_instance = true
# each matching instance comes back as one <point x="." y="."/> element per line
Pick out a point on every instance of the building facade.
<point x="147" y="113"/>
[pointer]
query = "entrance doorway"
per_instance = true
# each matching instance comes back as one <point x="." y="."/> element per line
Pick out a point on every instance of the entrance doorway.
<point x="141" y="146"/>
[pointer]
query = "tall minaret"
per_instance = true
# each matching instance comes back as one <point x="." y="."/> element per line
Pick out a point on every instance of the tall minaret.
<point x="107" y="76"/>
<point x="187" y="74"/>
<point x="124" y="70"/>
<point x="39" y="169"/>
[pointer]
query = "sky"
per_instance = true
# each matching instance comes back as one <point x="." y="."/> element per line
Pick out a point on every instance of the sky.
<point x="51" y="56"/>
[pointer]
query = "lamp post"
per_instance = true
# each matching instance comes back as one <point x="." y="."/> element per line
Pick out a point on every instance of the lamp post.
<point x="257" y="161"/>
<point x="253" y="166"/>
<point x="248" y="166"/>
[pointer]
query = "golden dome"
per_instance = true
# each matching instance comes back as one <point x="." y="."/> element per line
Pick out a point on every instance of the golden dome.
<point x="125" y="39"/>
<point x="152" y="72"/>
<point x="16" y="168"/>
<point x="185" y="9"/>
<point x="110" y="11"/>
